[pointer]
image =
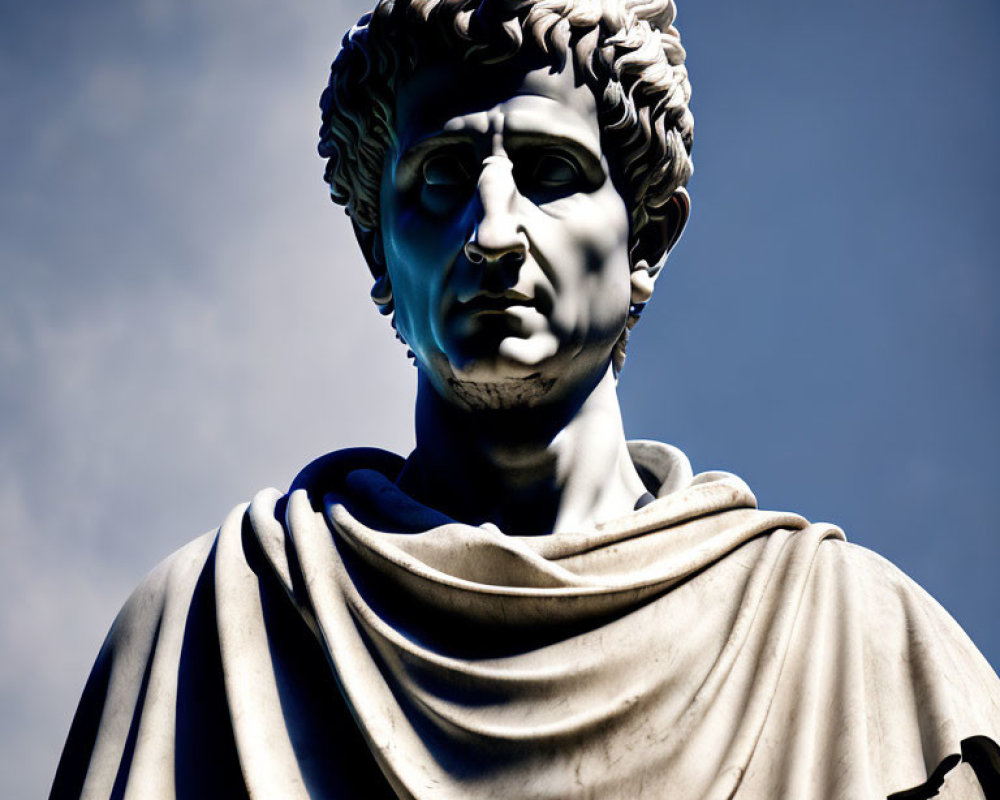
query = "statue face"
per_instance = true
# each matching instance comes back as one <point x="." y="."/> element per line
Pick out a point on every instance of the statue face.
<point x="504" y="237"/>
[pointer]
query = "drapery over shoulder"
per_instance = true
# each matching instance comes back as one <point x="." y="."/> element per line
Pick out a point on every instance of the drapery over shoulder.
<point x="344" y="641"/>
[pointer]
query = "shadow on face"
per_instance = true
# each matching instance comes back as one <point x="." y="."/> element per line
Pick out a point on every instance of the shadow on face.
<point x="504" y="237"/>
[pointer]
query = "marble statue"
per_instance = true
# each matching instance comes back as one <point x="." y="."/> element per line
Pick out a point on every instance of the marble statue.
<point x="528" y="606"/>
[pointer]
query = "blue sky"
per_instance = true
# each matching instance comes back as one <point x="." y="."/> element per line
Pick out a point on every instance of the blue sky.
<point x="184" y="318"/>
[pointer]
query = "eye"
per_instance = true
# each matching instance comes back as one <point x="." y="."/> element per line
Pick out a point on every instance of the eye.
<point x="446" y="182"/>
<point x="447" y="170"/>
<point x="553" y="171"/>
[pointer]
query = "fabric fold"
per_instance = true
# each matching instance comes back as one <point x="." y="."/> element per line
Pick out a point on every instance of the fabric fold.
<point x="343" y="641"/>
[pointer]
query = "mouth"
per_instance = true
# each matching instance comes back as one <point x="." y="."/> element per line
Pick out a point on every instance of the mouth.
<point x="488" y="304"/>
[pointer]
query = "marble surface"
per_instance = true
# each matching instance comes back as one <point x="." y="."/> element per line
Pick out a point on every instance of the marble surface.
<point x="344" y="641"/>
<point x="528" y="605"/>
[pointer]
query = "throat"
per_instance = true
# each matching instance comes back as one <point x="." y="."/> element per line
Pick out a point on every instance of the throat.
<point x="528" y="470"/>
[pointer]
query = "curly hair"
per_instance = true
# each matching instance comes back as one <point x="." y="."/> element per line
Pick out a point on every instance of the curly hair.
<point x="628" y="52"/>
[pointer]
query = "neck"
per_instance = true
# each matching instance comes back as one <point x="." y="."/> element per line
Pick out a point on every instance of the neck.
<point x="549" y="468"/>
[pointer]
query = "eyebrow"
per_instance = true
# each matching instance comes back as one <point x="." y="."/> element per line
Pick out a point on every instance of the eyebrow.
<point x="561" y="128"/>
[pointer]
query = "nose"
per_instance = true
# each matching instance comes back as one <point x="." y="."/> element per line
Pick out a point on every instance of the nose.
<point x="497" y="238"/>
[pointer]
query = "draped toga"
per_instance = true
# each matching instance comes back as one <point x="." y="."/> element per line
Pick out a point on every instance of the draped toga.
<point x="344" y="641"/>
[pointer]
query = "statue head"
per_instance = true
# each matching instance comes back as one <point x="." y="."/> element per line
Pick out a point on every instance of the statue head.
<point x="449" y="125"/>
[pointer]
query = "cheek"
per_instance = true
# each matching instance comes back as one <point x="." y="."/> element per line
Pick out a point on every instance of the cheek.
<point x="595" y="223"/>
<point x="423" y="241"/>
<point x="610" y="236"/>
<point x="593" y="247"/>
<point x="609" y="292"/>
<point x="420" y="251"/>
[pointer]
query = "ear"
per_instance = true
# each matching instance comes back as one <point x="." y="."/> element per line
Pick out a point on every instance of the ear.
<point x="652" y="243"/>
<point x="370" y="242"/>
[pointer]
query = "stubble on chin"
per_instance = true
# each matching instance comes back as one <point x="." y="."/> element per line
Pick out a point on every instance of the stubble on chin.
<point x="503" y="394"/>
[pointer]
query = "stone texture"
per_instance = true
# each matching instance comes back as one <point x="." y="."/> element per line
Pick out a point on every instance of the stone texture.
<point x="341" y="640"/>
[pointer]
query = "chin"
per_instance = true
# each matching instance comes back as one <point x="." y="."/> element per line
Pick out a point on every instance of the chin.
<point x="498" y="380"/>
<point x="501" y="393"/>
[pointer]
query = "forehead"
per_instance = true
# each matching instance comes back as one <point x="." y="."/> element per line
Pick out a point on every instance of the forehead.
<point x="520" y="96"/>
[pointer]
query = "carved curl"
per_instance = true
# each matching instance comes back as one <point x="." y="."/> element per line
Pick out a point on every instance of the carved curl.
<point x="628" y="51"/>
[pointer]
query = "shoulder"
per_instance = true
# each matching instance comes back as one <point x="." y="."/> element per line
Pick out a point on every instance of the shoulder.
<point x="887" y="591"/>
<point x="175" y="576"/>
<point x="908" y="639"/>
<point x="877" y="670"/>
<point x="888" y="598"/>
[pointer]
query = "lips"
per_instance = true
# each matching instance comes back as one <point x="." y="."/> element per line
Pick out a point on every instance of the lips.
<point x="489" y="303"/>
<point x="486" y="318"/>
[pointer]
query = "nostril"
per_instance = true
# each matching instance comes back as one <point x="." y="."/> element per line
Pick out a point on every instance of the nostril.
<point x="512" y="255"/>
<point x="512" y="259"/>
